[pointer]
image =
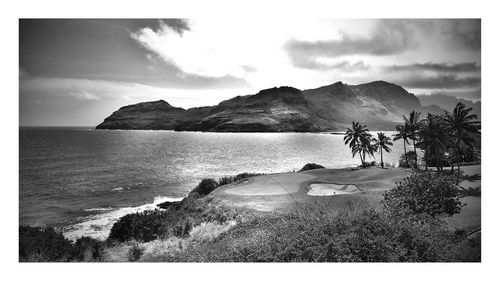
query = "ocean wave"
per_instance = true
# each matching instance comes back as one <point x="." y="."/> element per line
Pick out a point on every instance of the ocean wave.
<point x="98" y="209"/>
<point x="98" y="226"/>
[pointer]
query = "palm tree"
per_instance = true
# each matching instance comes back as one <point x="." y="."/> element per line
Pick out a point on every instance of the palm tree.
<point x="359" y="141"/>
<point x="432" y="138"/>
<point x="413" y="124"/>
<point x="404" y="134"/>
<point x="382" y="142"/>
<point x="461" y="126"/>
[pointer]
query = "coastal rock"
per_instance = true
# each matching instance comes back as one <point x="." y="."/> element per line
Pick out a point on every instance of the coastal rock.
<point x="333" y="107"/>
<point x="155" y="115"/>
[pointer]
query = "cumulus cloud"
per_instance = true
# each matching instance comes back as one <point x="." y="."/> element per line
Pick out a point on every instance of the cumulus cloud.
<point x="200" y="50"/>
<point x="249" y="50"/>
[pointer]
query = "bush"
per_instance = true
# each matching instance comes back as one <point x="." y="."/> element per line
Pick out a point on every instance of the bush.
<point x="424" y="192"/>
<point x="134" y="253"/>
<point x="231" y="179"/>
<point x="411" y="159"/>
<point x="177" y="220"/>
<point x="145" y="226"/>
<point x="45" y="244"/>
<point x="368" y="164"/>
<point x="88" y="249"/>
<point x="206" y="186"/>
<point x="311" y="166"/>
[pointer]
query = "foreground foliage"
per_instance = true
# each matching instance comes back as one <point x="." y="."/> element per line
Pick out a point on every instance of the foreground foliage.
<point x="37" y="244"/>
<point x="424" y="193"/>
<point x="321" y="234"/>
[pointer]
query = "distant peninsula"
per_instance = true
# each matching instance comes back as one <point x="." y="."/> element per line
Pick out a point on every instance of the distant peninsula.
<point x="377" y="104"/>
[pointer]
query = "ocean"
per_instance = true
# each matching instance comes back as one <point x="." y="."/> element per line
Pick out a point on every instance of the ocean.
<point x="82" y="180"/>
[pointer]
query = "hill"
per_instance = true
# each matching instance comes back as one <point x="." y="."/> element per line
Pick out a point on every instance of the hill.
<point x="333" y="107"/>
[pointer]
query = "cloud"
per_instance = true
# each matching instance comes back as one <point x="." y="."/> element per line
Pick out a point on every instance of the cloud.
<point x="84" y="95"/>
<point x="389" y="37"/>
<point x="344" y="66"/>
<point x="465" y="33"/>
<point x="99" y="90"/>
<point x="214" y="48"/>
<point x="439" y="82"/>
<point x="473" y="94"/>
<point x="178" y="25"/>
<point x="436" y="67"/>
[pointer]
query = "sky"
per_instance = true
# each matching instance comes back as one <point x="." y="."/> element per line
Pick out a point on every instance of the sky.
<point x="77" y="72"/>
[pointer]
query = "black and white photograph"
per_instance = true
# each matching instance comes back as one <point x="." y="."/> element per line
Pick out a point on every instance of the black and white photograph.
<point x="235" y="140"/>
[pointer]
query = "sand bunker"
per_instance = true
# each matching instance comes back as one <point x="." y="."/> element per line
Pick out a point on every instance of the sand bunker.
<point x="329" y="189"/>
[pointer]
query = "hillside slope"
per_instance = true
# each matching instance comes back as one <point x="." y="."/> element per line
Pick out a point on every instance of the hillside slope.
<point x="333" y="107"/>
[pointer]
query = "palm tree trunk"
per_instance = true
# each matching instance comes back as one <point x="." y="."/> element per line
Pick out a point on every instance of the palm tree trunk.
<point x="426" y="155"/>
<point x="381" y="159"/>
<point x="362" y="162"/>
<point x="458" y="164"/>
<point x="406" y="156"/>
<point x="416" y="158"/>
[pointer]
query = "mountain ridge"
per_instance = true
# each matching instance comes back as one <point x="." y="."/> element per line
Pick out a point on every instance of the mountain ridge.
<point x="378" y="104"/>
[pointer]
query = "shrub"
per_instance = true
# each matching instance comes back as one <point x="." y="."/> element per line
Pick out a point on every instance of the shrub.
<point x="206" y="186"/>
<point x="369" y="164"/>
<point x="424" y="192"/>
<point x="43" y="244"/>
<point x="88" y="249"/>
<point x="145" y="226"/>
<point x="135" y="253"/>
<point x="411" y="159"/>
<point x="311" y="166"/>
<point x="177" y="220"/>
<point x="230" y="179"/>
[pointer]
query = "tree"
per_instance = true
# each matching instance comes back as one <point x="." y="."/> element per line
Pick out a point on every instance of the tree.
<point x="432" y="138"/>
<point x="381" y="143"/>
<point x="359" y="141"/>
<point x="413" y="124"/>
<point x="404" y="134"/>
<point x="461" y="126"/>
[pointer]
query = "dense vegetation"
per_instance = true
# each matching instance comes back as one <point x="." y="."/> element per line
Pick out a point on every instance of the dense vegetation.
<point x="446" y="140"/>
<point x="424" y="193"/>
<point x="177" y="218"/>
<point x="407" y="228"/>
<point x="311" y="166"/>
<point x="37" y="244"/>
